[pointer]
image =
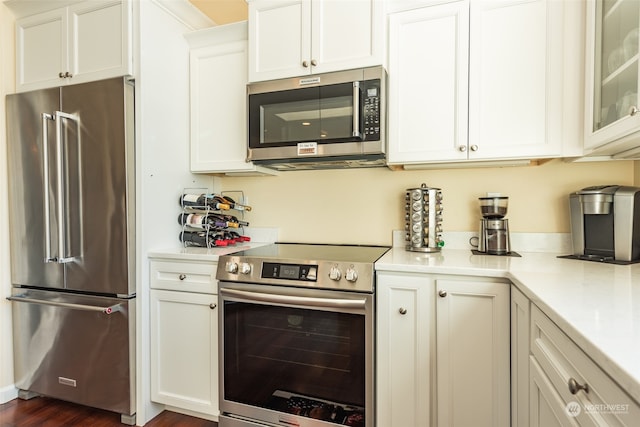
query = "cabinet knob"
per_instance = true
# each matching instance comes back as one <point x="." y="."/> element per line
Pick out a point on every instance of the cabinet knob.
<point x="442" y="293"/>
<point x="314" y="62"/>
<point x="61" y="75"/>
<point x="305" y="64"/>
<point x="474" y="147"/>
<point x="575" y="386"/>
<point x="633" y="111"/>
<point x="213" y="305"/>
<point x="68" y="75"/>
<point x="182" y="276"/>
<point x="402" y="311"/>
<point x="462" y="148"/>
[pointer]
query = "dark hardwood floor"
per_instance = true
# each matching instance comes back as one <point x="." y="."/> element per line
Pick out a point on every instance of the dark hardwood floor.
<point x="46" y="412"/>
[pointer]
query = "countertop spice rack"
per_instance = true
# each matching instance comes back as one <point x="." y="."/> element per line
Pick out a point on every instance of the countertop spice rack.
<point x="208" y="226"/>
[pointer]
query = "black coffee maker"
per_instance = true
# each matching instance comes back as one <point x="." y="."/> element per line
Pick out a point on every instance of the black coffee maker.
<point x="605" y="223"/>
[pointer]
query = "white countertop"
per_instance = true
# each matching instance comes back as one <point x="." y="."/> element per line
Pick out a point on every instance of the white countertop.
<point x="597" y="305"/>
<point x="201" y="254"/>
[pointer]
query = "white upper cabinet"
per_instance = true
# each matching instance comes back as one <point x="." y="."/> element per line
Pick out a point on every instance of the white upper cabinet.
<point x="428" y="89"/>
<point x="86" y="41"/>
<point x="477" y="80"/>
<point x="290" y="38"/>
<point x="218" y="80"/>
<point x="612" y="105"/>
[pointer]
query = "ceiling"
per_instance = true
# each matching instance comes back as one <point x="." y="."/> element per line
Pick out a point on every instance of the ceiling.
<point x="223" y="11"/>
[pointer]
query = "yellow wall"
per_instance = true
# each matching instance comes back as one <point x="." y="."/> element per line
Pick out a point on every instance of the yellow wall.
<point x="365" y="205"/>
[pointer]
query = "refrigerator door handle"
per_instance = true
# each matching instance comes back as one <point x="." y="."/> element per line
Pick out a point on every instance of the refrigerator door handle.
<point x="106" y="310"/>
<point x="47" y="202"/>
<point x="63" y="256"/>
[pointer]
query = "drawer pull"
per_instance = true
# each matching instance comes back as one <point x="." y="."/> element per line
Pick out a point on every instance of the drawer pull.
<point x="575" y="386"/>
<point x="182" y="276"/>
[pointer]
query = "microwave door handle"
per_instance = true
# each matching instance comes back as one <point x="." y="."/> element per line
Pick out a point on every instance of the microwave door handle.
<point x="356" y="110"/>
<point x="63" y="257"/>
<point x="47" y="201"/>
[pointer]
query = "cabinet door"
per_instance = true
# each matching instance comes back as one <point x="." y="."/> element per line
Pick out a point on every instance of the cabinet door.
<point x="472" y="342"/>
<point x="515" y="79"/>
<point x="547" y="408"/>
<point x="520" y="312"/>
<point x="41" y="50"/>
<point x="428" y="74"/>
<point x="346" y="34"/>
<point x="219" y="108"/>
<point x="612" y="71"/>
<point x="405" y="325"/>
<point x="99" y="40"/>
<point x="279" y="38"/>
<point x="184" y="350"/>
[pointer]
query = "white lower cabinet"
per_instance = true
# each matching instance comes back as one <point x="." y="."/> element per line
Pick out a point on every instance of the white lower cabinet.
<point x="567" y="388"/>
<point x="443" y="351"/>
<point x="520" y="314"/>
<point x="184" y="337"/>
<point x="472" y="353"/>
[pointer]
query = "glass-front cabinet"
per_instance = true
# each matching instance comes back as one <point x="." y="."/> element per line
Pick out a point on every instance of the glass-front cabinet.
<point x="612" y="72"/>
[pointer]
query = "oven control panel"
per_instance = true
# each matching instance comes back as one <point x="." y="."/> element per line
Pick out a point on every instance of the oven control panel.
<point x="272" y="270"/>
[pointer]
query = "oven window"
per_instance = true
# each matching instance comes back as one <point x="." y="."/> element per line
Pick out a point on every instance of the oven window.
<point x="305" y="362"/>
<point x="318" y="114"/>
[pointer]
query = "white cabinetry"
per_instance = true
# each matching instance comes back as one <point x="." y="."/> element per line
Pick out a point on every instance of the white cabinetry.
<point x="567" y="387"/>
<point x="86" y="41"/>
<point x="494" y="68"/>
<point x="297" y="37"/>
<point x="612" y="120"/>
<point x="218" y="79"/>
<point x="472" y="346"/>
<point x="520" y="310"/>
<point x="406" y="339"/>
<point x="443" y="351"/>
<point x="184" y="336"/>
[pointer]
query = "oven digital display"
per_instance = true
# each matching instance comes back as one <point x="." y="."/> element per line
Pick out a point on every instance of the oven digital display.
<point x="273" y="270"/>
<point x="289" y="272"/>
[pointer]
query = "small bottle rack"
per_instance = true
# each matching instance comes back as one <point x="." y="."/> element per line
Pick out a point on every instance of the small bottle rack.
<point x="218" y="222"/>
<point x="423" y="219"/>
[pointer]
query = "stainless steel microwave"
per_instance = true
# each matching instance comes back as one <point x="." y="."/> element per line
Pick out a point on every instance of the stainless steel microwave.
<point x="324" y="121"/>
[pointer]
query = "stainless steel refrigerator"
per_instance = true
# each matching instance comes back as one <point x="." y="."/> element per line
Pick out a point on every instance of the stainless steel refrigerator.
<point x="72" y="216"/>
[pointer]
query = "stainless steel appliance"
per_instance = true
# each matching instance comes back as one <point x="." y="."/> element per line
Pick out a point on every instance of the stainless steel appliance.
<point x="605" y="223"/>
<point x="423" y="219"/>
<point x="326" y="121"/>
<point x="297" y="335"/>
<point x="71" y="203"/>
<point x="493" y="237"/>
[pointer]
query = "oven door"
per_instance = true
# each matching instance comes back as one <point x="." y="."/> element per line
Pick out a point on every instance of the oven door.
<point x="295" y="357"/>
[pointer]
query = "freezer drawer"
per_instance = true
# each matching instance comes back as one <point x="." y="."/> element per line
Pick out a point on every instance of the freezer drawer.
<point x="76" y="348"/>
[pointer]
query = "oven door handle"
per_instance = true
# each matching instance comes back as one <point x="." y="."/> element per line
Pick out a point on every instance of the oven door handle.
<point x="339" y="303"/>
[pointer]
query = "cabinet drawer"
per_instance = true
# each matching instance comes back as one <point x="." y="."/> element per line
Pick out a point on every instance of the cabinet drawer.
<point x="603" y="402"/>
<point x="186" y="276"/>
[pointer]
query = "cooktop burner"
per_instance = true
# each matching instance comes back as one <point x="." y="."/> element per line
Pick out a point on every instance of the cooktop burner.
<point x="343" y="267"/>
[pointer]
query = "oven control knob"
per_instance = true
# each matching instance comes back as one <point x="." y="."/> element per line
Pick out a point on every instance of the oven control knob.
<point x="335" y="273"/>
<point x="351" y="275"/>
<point x="245" y="268"/>
<point x="231" y="267"/>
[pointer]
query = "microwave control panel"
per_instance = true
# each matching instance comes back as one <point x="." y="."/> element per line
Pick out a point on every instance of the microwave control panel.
<point x="371" y="110"/>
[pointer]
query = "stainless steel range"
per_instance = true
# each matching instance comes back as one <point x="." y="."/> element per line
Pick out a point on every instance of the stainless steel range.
<point x="297" y="335"/>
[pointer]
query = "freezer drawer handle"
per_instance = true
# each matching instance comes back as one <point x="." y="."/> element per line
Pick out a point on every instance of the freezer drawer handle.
<point x="106" y="310"/>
